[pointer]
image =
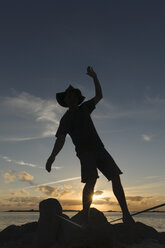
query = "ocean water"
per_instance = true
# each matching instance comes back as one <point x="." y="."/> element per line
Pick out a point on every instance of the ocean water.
<point x="154" y="219"/>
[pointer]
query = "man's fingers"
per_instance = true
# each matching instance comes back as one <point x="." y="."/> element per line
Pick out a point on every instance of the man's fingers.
<point x="49" y="163"/>
<point x="90" y="72"/>
<point x="48" y="167"/>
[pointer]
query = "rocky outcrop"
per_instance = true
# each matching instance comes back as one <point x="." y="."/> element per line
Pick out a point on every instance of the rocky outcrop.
<point x="131" y="234"/>
<point x="18" y="236"/>
<point x="49" y="225"/>
<point x="98" y="233"/>
<point x="56" y="230"/>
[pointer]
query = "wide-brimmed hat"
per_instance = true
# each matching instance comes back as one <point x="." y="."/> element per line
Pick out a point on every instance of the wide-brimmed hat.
<point x="61" y="96"/>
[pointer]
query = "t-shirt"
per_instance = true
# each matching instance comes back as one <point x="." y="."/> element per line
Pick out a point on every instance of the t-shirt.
<point x="79" y="125"/>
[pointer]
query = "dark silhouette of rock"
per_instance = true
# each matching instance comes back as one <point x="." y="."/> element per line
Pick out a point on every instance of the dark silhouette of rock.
<point x="49" y="224"/>
<point x="134" y="233"/>
<point x="96" y="217"/>
<point x="21" y="233"/>
<point x="11" y="232"/>
<point x="98" y="233"/>
<point x="52" y="231"/>
<point x="161" y="237"/>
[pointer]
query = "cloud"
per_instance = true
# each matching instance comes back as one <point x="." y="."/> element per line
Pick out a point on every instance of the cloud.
<point x="135" y="203"/>
<point x="24" y="192"/>
<point x="47" y="190"/>
<point x="68" y="186"/>
<point x="147" y="188"/>
<point x="153" y="177"/>
<point x="9" y="160"/>
<point x="55" y="167"/>
<point x="36" y="117"/>
<point x="139" y="203"/>
<point x="20" y="193"/>
<point x="148" y="109"/>
<point x="135" y="198"/>
<point x="10" y="176"/>
<point x="20" y="176"/>
<point x="25" y="177"/>
<point x="71" y="203"/>
<point x="21" y="162"/>
<point x="55" y="182"/>
<point x="155" y="101"/>
<point x="109" y="110"/>
<point x="147" y="138"/>
<point x="98" y="192"/>
<point x="107" y="199"/>
<point x="28" y="202"/>
<point x="53" y="191"/>
<point x="22" y="202"/>
<point x="103" y="202"/>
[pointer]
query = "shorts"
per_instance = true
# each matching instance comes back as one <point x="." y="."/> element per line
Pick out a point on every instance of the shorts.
<point x="100" y="159"/>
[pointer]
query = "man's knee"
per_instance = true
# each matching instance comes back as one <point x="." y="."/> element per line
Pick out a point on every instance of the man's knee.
<point x="89" y="185"/>
<point x="116" y="180"/>
<point x="91" y="182"/>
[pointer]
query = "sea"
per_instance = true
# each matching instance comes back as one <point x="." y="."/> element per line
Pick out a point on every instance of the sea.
<point x="154" y="219"/>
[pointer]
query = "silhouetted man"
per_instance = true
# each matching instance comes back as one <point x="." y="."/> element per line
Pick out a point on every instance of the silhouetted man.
<point x="89" y="148"/>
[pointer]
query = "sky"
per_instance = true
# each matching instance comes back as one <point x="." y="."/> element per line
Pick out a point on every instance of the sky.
<point x="47" y="45"/>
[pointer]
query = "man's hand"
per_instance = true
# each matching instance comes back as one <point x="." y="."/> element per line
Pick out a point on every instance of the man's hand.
<point x="91" y="72"/>
<point x="57" y="147"/>
<point x="49" y="163"/>
<point x="98" y="91"/>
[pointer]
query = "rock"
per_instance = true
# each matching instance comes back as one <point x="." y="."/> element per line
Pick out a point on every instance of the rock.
<point x="49" y="224"/>
<point x="96" y="217"/>
<point x="14" y="232"/>
<point x="99" y="233"/>
<point x="161" y="237"/>
<point x="49" y="206"/>
<point x="146" y="244"/>
<point x="133" y="233"/>
<point x="29" y="227"/>
<point x="9" y="233"/>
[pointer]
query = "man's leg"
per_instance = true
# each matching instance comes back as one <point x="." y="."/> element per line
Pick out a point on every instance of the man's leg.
<point x="119" y="193"/>
<point x="88" y="192"/>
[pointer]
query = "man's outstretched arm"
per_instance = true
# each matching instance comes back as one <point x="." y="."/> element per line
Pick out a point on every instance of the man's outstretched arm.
<point x="98" y="90"/>
<point x="57" y="148"/>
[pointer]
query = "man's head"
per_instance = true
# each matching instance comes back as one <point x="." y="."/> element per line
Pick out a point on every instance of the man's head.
<point x="71" y="97"/>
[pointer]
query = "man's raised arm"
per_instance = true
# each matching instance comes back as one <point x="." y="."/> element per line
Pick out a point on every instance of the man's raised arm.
<point x="57" y="148"/>
<point x="98" y="90"/>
